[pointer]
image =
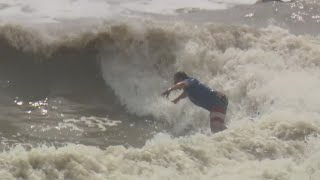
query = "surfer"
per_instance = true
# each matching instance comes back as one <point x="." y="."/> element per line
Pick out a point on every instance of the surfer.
<point x="201" y="95"/>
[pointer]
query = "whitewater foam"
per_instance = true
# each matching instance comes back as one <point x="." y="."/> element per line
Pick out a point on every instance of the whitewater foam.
<point x="266" y="149"/>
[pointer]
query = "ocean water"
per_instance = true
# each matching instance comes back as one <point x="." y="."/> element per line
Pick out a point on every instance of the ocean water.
<point x="80" y="85"/>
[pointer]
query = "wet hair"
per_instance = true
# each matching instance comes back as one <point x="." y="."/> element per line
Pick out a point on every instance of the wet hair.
<point x="181" y="75"/>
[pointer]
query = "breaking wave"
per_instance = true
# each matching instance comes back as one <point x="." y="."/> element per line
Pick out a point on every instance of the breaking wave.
<point x="270" y="76"/>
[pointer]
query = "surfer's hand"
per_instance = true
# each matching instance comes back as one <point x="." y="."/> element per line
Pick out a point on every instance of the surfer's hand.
<point x="166" y="93"/>
<point x="175" y="101"/>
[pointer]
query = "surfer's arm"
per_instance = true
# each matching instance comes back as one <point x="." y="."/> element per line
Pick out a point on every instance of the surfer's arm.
<point x="181" y="96"/>
<point x="180" y="85"/>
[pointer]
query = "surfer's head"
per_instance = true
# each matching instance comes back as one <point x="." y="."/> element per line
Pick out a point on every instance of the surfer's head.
<point x="179" y="76"/>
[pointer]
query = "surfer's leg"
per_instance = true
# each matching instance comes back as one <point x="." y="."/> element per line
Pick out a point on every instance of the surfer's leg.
<point x="217" y="120"/>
